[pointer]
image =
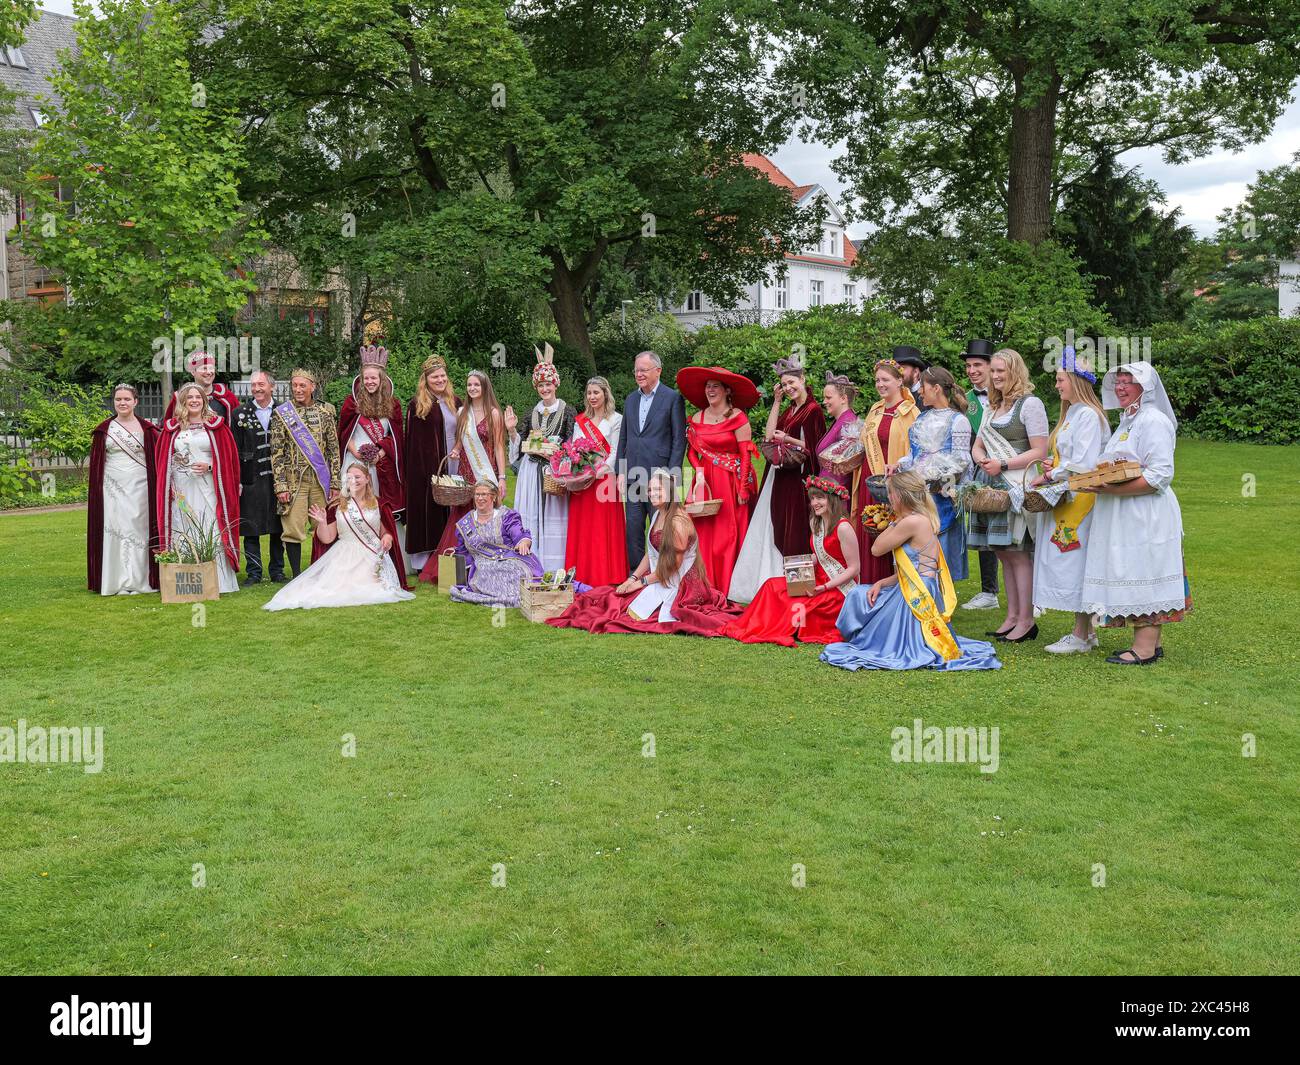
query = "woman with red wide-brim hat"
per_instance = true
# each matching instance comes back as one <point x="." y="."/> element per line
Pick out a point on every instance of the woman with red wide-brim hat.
<point x="720" y="448"/>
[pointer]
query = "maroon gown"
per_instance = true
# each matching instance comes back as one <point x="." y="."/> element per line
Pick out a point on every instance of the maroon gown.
<point x="425" y="448"/>
<point x="790" y="530"/>
<point x="388" y="472"/>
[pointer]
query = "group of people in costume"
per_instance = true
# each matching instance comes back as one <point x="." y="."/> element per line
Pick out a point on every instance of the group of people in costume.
<point x="873" y="505"/>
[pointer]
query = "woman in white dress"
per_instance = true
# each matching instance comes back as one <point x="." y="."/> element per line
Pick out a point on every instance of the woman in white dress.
<point x="1061" y="534"/>
<point x="358" y="569"/>
<point x="1134" y="572"/>
<point x="198" y="480"/>
<point x="121" y="523"/>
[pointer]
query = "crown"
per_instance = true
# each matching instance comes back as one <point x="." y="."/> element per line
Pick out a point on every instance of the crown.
<point x="373" y="355"/>
<point x="791" y="365"/>
<point x="825" y="484"/>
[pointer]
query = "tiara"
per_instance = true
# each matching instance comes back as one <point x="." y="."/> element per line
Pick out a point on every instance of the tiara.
<point x="791" y="365"/>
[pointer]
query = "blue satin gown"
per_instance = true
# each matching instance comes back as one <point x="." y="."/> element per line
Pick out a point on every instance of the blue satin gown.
<point x="888" y="636"/>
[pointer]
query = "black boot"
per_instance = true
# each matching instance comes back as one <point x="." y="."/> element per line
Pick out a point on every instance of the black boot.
<point x="294" y="552"/>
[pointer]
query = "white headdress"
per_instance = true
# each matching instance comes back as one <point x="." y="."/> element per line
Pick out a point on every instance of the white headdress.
<point x="1153" y="389"/>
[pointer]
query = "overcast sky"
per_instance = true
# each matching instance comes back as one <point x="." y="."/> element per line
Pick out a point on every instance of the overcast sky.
<point x="1202" y="188"/>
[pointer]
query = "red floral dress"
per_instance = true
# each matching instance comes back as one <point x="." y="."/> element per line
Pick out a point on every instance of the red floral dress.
<point x="726" y="466"/>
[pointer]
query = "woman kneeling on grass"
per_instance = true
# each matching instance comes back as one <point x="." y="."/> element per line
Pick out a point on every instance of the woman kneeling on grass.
<point x="497" y="549"/>
<point x="668" y="592"/>
<point x="901" y="621"/>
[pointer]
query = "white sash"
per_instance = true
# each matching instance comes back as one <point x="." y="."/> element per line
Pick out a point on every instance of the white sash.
<point x="830" y="563"/>
<point x="127" y="442"/>
<point x="479" y="463"/>
<point x="362" y="529"/>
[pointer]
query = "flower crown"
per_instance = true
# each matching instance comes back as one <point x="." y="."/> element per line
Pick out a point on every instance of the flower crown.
<point x="1071" y="363"/>
<point x="890" y="364"/>
<point x="545" y="369"/>
<point x="825" y="484"/>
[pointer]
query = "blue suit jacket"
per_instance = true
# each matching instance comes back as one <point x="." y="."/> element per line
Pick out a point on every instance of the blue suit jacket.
<point x="663" y="440"/>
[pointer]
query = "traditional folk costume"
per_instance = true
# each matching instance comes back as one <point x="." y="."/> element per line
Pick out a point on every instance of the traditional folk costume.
<point x="428" y="440"/>
<point x="778" y="524"/>
<point x="547" y="515"/>
<point x="1004" y="438"/>
<point x="258" y="512"/>
<point x="776" y="616"/>
<point x="122" y="516"/>
<point x="305" y="463"/>
<point x="724" y="469"/>
<point x="493" y="567"/>
<point x="909" y="625"/>
<point x="221" y="401"/>
<point x="1061" y="534"/>
<point x="684" y="604"/>
<point x="939" y="450"/>
<point x="353" y="569"/>
<point x="596" y="545"/>
<point x="1134" y="570"/>
<point x="885" y="440"/>
<point x="191" y="503"/>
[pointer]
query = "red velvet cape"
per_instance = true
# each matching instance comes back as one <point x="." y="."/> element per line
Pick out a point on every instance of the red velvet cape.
<point x="95" y="509"/>
<point x="393" y="446"/>
<point x="225" y="476"/>
<point x="220" y="393"/>
<point x="387" y="523"/>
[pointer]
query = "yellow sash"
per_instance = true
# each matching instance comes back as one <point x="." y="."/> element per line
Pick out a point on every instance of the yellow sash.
<point x="1069" y="512"/>
<point x="933" y="622"/>
<point x="875" y="460"/>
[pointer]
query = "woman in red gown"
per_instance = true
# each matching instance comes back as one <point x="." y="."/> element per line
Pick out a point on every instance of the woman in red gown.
<point x="775" y="616"/>
<point x="884" y="437"/>
<point x="668" y="593"/>
<point x="721" y="451"/>
<point x="596" y="547"/>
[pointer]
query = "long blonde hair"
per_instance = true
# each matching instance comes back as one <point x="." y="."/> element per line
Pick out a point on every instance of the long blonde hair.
<point x="608" y="406"/>
<point x="1082" y="393"/>
<point x="424" y="399"/>
<point x="178" y="410"/>
<point x="496" y="425"/>
<point x="908" y="488"/>
<point x="341" y="499"/>
<point x="1018" y="382"/>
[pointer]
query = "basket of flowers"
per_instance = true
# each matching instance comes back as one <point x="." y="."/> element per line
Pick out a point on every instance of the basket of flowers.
<point x="573" y="466"/>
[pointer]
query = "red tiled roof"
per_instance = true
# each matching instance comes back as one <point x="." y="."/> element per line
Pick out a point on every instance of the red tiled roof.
<point x="778" y="177"/>
<point x="767" y="168"/>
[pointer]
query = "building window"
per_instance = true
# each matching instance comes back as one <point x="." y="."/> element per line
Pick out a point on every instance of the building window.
<point x="850" y="293"/>
<point x="15" y="57"/>
<point x="783" y="292"/>
<point x="316" y="318"/>
<point x="38" y="117"/>
<point x="694" y="300"/>
<point x="832" y="242"/>
<point x="815" y="289"/>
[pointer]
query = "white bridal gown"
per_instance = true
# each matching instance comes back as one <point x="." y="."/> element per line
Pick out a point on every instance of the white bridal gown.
<point x="200" y="493"/>
<point x="355" y="571"/>
<point x="125" y="565"/>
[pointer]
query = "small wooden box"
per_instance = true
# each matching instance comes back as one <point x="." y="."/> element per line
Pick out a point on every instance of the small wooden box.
<point x="537" y="603"/>
<point x="1106" y="473"/>
<point x="800" y="574"/>
<point x="183" y="582"/>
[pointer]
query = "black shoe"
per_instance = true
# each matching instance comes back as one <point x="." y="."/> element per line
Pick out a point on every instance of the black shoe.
<point x="1132" y="658"/>
<point x="999" y="633"/>
<point x="1160" y="652"/>
<point x="279" y="578"/>
<point x="252" y="580"/>
<point x="1032" y="634"/>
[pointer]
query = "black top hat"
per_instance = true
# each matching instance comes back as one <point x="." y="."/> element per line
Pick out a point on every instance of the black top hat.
<point x="978" y="349"/>
<point x="908" y="356"/>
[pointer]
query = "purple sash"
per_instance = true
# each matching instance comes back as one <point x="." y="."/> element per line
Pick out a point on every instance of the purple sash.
<point x="306" y="443"/>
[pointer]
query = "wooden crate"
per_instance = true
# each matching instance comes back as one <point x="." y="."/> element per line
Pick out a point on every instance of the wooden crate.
<point x="187" y="582"/>
<point x="1106" y="473"/>
<point x="537" y="603"/>
<point x="800" y="574"/>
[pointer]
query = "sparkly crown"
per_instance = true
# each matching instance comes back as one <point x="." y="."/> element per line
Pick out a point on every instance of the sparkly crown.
<point x="373" y="355"/>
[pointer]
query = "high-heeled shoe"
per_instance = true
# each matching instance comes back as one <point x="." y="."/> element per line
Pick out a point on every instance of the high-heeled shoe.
<point x="997" y="632"/>
<point x="1032" y="634"/>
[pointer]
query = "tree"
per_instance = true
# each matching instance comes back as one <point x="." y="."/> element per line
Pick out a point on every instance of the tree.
<point x="564" y="128"/>
<point x="1112" y="221"/>
<point x="135" y="191"/>
<point x="1015" y="100"/>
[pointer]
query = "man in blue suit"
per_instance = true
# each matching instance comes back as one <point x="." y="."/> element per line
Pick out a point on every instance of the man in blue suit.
<point x="653" y="437"/>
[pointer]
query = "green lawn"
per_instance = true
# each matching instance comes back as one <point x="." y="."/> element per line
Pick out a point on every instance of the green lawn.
<point x="522" y="745"/>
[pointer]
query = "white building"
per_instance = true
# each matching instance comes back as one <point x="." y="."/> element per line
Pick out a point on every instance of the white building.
<point x="1288" y="288"/>
<point x="814" y="276"/>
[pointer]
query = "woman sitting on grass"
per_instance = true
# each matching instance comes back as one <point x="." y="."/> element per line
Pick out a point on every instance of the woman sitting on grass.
<point x="901" y="621"/>
<point x="498" y="551"/>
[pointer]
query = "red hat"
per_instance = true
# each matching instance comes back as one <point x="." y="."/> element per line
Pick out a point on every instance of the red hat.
<point x="691" y="381"/>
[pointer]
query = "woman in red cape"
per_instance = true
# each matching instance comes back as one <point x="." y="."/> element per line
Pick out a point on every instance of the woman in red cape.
<point x="776" y="616"/>
<point x="669" y="592"/>
<point x="125" y="400"/>
<point x="596" y="545"/>
<point x="197" y="461"/>
<point x="361" y="422"/>
<point x="721" y="450"/>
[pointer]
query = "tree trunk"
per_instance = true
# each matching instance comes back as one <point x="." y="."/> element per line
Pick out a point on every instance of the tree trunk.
<point x="1033" y="147"/>
<point x="567" y="309"/>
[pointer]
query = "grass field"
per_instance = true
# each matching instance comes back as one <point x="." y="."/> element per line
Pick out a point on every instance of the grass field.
<point x="522" y="745"/>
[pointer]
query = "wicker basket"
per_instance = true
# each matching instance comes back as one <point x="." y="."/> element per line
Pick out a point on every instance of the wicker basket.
<point x="878" y="488"/>
<point x="537" y="603"/>
<point x="449" y="495"/>
<point x="988" y="501"/>
<point x="845" y="466"/>
<point x="704" y="508"/>
<point x="1036" y="504"/>
<point x="550" y="485"/>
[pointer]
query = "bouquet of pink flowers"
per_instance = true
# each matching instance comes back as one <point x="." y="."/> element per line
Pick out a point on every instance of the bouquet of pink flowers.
<point x="369" y="453"/>
<point x="577" y="460"/>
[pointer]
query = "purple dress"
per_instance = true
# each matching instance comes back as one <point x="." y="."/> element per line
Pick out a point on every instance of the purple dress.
<point x="493" y="566"/>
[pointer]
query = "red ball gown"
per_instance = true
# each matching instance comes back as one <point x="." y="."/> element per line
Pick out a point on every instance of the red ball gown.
<point x="726" y="466"/>
<point x="596" y="546"/>
<point x="776" y="616"/>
